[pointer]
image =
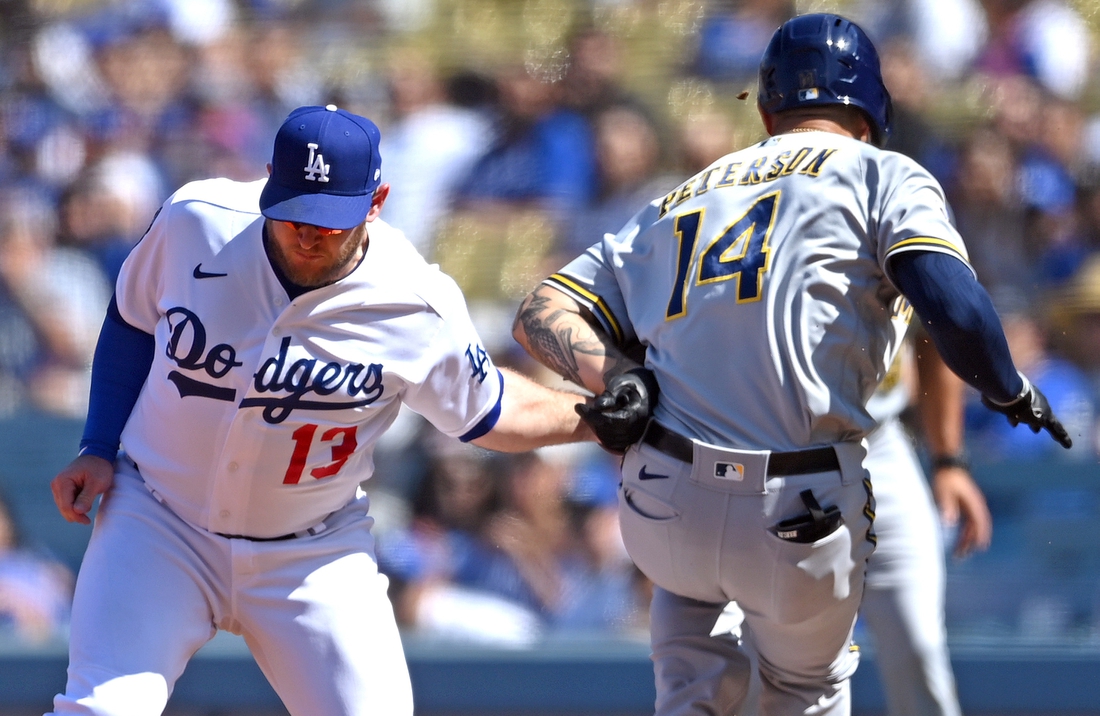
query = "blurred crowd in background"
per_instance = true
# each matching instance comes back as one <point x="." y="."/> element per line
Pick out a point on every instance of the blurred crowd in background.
<point x="515" y="133"/>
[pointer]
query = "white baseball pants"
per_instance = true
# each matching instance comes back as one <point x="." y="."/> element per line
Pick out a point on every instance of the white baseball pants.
<point x="152" y="589"/>
<point x="903" y="598"/>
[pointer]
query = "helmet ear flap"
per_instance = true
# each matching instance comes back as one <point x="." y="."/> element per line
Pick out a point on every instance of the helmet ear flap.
<point x="889" y="121"/>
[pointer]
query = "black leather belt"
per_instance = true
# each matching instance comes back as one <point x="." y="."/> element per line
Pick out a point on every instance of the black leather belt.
<point x="304" y="533"/>
<point x="280" y="538"/>
<point x="799" y="462"/>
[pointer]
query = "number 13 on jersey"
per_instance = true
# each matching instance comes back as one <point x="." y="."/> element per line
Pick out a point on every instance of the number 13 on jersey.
<point x="740" y="252"/>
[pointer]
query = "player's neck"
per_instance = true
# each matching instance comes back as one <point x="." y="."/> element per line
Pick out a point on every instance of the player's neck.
<point x="856" y="129"/>
<point x="817" y="125"/>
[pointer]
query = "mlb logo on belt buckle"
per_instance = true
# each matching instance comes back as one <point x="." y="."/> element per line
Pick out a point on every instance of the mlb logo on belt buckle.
<point x="729" y="471"/>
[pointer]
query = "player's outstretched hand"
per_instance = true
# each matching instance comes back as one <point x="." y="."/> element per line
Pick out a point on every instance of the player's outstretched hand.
<point x="1033" y="410"/>
<point x="78" y="484"/>
<point x="619" y="415"/>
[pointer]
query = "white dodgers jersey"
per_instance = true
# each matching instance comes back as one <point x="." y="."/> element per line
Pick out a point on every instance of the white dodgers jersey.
<point x="758" y="288"/>
<point x="260" y="412"/>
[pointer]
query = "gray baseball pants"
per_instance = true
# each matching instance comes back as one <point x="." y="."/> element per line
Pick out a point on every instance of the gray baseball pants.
<point x="703" y="532"/>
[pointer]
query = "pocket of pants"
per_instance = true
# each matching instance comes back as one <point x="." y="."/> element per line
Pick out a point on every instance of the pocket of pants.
<point x="646" y="523"/>
<point x="647" y="506"/>
<point x="811" y="577"/>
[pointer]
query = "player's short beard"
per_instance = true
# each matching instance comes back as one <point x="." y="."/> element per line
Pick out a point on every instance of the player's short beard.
<point x="325" y="275"/>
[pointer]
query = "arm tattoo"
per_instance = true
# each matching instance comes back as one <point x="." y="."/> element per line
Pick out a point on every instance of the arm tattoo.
<point x="552" y="340"/>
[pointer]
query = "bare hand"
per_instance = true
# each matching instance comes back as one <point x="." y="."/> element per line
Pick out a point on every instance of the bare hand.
<point x="958" y="496"/>
<point x="76" y="487"/>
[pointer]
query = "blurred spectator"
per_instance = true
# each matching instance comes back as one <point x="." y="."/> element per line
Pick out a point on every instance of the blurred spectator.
<point x="593" y="81"/>
<point x="533" y="529"/>
<point x="990" y="437"/>
<point x="52" y="302"/>
<point x="541" y="154"/>
<point x="562" y="559"/>
<point x="628" y="155"/>
<point x="512" y="207"/>
<point x="532" y="539"/>
<point x="107" y="209"/>
<point x="906" y="78"/>
<point x="279" y="72"/>
<point x="988" y="212"/>
<point x="947" y="34"/>
<point x="703" y="136"/>
<point x="429" y="146"/>
<point x="441" y="565"/>
<point x="145" y="70"/>
<point x="733" y="36"/>
<point x="35" y="592"/>
<point x="1046" y="40"/>
<point x="227" y="136"/>
<point x="1076" y="320"/>
<point x="38" y="130"/>
<point x="615" y="596"/>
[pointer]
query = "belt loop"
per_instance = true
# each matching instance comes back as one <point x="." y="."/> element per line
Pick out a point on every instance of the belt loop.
<point x="154" y="493"/>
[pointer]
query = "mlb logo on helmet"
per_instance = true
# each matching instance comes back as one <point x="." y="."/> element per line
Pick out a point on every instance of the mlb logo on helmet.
<point x="324" y="168"/>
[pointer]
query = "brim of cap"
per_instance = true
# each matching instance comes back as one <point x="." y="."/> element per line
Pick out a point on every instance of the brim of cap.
<point x="331" y="211"/>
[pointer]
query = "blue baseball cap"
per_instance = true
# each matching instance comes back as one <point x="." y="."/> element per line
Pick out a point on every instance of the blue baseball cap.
<point x="324" y="168"/>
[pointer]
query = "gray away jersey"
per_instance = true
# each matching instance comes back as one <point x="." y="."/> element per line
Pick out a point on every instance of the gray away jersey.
<point x="758" y="287"/>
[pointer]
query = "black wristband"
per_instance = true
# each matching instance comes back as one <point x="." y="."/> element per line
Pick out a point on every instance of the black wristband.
<point x="957" y="460"/>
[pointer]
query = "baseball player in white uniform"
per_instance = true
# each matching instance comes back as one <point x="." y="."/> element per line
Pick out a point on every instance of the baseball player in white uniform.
<point x="903" y="600"/>
<point x="770" y="292"/>
<point x="263" y="335"/>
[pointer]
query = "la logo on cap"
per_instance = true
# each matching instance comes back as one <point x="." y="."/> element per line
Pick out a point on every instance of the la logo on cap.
<point x="316" y="169"/>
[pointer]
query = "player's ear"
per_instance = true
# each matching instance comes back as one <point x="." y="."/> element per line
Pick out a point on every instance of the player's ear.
<point x="866" y="135"/>
<point x="377" y="200"/>
<point x="269" y="168"/>
<point x="769" y="120"/>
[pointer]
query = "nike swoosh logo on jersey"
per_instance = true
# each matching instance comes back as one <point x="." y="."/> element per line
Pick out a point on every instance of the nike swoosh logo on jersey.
<point x="643" y="475"/>
<point x="199" y="273"/>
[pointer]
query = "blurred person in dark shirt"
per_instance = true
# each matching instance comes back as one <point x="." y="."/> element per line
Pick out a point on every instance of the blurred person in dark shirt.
<point x="733" y="36"/>
<point x="594" y="78"/>
<point x="541" y="154"/>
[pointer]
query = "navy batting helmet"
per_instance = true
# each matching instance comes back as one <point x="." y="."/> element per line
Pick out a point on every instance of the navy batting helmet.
<point x="824" y="59"/>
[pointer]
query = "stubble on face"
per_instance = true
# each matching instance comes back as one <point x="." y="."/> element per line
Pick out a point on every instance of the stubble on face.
<point x="329" y="260"/>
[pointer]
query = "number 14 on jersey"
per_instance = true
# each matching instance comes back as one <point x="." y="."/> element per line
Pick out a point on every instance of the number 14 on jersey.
<point x="740" y="252"/>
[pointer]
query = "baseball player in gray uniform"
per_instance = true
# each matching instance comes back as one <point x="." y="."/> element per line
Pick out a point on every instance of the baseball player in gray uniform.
<point x="903" y="597"/>
<point x="263" y="335"/>
<point x="770" y="292"/>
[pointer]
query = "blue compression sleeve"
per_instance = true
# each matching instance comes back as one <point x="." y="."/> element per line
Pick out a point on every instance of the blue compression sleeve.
<point x="959" y="316"/>
<point x="122" y="360"/>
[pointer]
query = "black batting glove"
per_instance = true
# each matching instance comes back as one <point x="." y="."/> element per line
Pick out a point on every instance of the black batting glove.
<point x="619" y="415"/>
<point x="1033" y="410"/>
